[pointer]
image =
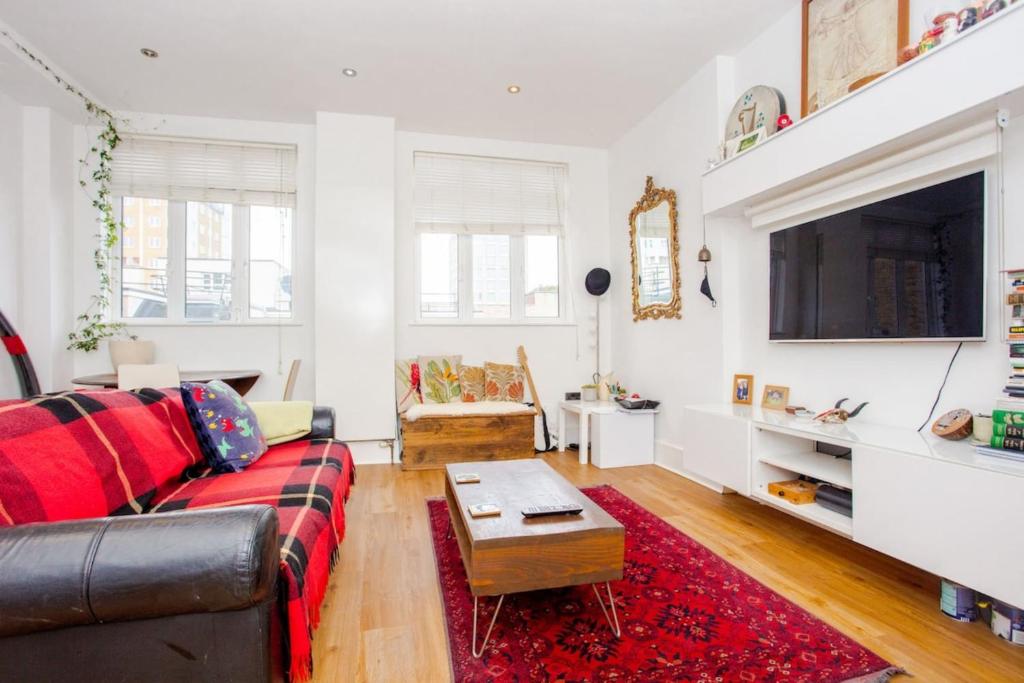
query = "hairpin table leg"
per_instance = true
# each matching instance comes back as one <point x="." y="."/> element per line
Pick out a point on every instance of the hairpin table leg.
<point x="616" y="629"/>
<point x="483" y="645"/>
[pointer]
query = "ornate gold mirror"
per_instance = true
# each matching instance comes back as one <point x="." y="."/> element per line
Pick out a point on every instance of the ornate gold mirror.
<point x="654" y="250"/>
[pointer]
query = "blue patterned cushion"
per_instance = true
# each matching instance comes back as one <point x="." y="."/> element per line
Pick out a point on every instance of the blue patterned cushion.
<point x="225" y="425"/>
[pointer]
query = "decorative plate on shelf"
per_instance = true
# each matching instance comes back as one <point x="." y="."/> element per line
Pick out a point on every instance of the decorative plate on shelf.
<point x="758" y="107"/>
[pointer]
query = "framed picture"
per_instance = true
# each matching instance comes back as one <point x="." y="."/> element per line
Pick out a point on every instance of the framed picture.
<point x="743" y="389"/>
<point x="846" y="42"/>
<point x="742" y="143"/>
<point x="775" y="397"/>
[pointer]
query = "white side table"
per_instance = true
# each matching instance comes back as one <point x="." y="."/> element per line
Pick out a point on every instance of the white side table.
<point x="617" y="417"/>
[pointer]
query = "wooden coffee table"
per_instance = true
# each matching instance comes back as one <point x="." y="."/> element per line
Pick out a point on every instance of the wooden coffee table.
<point x="511" y="554"/>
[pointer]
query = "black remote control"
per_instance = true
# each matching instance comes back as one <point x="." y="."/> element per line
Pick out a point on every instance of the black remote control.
<point x="550" y="510"/>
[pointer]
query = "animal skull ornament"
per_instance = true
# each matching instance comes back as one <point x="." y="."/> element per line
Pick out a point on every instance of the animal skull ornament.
<point x="838" y="414"/>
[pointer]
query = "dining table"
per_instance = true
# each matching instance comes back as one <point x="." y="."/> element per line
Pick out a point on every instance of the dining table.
<point x="239" y="380"/>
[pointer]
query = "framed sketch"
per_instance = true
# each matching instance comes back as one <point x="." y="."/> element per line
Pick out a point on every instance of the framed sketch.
<point x="846" y="42"/>
<point x="743" y="389"/>
<point x="775" y="397"/>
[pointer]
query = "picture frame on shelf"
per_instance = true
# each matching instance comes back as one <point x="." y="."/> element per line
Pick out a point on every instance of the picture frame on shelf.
<point x="775" y="397"/>
<point x="844" y="42"/>
<point x="741" y="143"/>
<point x="743" y="389"/>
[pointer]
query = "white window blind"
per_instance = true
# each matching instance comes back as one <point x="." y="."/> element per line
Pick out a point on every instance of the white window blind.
<point x="204" y="170"/>
<point x="476" y="195"/>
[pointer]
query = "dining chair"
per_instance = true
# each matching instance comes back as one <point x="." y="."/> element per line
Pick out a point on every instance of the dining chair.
<point x="293" y="374"/>
<point x="142" y="376"/>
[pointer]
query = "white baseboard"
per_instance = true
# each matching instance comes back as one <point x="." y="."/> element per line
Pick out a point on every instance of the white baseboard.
<point x="670" y="457"/>
<point x="369" y="453"/>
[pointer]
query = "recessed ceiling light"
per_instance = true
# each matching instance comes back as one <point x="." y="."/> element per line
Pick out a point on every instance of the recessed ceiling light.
<point x="351" y="73"/>
<point x="147" y="52"/>
<point x="513" y="89"/>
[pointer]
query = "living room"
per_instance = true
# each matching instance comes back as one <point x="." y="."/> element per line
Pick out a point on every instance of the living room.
<point x="679" y="281"/>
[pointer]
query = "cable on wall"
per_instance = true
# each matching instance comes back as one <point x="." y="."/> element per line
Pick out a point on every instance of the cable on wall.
<point x="938" y="396"/>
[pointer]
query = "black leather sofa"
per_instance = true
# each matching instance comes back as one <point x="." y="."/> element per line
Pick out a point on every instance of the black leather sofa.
<point x="167" y="597"/>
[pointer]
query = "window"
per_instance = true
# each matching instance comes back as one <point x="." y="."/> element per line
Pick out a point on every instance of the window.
<point x="143" y="268"/>
<point x="270" y="262"/>
<point x="490" y="239"/>
<point x="542" y="277"/>
<point x="219" y="238"/>
<point x="208" y="262"/>
<point x="439" y="275"/>
<point x="492" y="286"/>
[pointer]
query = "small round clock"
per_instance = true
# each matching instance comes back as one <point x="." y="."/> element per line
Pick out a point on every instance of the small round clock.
<point x="758" y="107"/>
<point x="954" y="425"/>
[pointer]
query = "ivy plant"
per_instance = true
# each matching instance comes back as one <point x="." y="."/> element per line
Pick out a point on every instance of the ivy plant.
<point x="93" y="325"/>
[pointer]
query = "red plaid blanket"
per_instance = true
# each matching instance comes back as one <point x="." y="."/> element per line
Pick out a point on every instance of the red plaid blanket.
<point x="77" y="455"/>
<point x="308" y="482"/>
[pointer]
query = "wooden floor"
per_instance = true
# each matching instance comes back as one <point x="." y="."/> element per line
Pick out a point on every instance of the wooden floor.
<point x="382" y="617"/>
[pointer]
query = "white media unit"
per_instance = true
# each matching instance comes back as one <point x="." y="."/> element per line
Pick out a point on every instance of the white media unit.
<point x="932" y="503"/>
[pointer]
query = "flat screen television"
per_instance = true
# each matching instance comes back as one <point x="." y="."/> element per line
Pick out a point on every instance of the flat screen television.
<point x="911" y="267"/>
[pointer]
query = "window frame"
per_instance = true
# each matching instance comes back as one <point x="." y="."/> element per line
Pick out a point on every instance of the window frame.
<point x="177" y="230"/>
<point x="517" y="284"/>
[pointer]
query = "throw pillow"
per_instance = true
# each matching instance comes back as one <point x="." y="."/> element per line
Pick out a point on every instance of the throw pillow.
<point x="407" y="384"/>
<point x="225" y="426"/>
<point x="503" y="382"/>
<point x="472" y="378"/>
<point x="439" y="379"/>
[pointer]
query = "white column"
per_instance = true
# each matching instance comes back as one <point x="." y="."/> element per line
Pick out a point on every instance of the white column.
<point x="48" y="181"/>
<point x="355" y="298"/>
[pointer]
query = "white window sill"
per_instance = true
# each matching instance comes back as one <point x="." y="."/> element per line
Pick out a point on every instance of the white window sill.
<point x="441" y="322"/>
<point x="141" y="322"/>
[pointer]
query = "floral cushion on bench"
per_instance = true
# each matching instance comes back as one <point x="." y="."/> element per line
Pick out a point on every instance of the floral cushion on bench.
<point x="503" y="382"/>
<point x="472" y="378"/>
<point x="439" y="379"/>
<point x="407" y="384"/>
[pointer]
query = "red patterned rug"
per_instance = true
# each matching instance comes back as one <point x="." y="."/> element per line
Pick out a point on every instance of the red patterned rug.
<point x="686" y="615"/>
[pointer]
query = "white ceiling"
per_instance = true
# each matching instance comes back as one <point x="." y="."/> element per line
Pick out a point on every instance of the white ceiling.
<point x="588" y="68"/>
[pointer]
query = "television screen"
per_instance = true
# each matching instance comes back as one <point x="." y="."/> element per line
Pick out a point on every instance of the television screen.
<point x="908" y="267"/>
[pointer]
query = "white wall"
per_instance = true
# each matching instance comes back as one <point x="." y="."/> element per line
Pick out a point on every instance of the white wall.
<point x="693" y="360"/>
<point x="355" y="237"/>
<point x="269" y="348"/>
<point x="676" y="361"/>
<point x="562" y="357"/>
<point x="900" y="380"/>
<point x="10" y="230"/>
<point x="48" y="181"/>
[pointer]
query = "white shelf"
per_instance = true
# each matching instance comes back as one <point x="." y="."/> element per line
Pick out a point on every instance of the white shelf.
<point x="811" y="512"/>
<point x="859" y="432"/>
<point x="938" y="93"/>
<point x="828" y="468"/>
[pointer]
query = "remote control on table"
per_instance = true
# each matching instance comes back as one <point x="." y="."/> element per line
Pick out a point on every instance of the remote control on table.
<point x="548" y="510"/>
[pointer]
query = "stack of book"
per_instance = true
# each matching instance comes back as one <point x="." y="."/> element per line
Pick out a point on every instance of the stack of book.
<point x="1008" y="418"/>
<point x="1007" y="436"/>
<point x="1014" y="388"/>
